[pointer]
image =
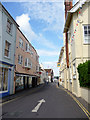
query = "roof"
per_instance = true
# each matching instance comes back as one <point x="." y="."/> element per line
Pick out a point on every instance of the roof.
<point x="73" y="10"/>
<point x="9" y="14"/>
<point x="61" y="53"/>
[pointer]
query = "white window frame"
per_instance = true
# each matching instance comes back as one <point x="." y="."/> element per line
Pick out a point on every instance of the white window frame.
<point x="88" y="41"/>
<point x="28" y="47"/>
<point x="20" y="59"/>
<point x="20" y="42"/>
<point x="28" y="63"/>
<point x="8" y="50"/>
<point x="9" y="29"/>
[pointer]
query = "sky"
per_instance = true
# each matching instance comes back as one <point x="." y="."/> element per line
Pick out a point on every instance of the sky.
<point x="42" y="22"/>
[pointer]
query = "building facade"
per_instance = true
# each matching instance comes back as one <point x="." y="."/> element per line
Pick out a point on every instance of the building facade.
<point x="76" y="42"/>
<point x="62" y="67"/>
<point x="8" y="28"/>
<point x="50" y="74"/>
<point x="26" y="63"/>
<point x="43" y="75"/>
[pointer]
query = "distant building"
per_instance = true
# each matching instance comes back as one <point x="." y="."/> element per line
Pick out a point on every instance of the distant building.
<point x="26" y="63"/>
<point x="43" y="74"/>
<point x="61" y="69"/>
<point x="50" y="74"/>
<point x="8" y="28"/>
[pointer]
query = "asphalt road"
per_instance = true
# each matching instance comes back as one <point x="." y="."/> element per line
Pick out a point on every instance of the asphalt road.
<point x="56" y="103"/>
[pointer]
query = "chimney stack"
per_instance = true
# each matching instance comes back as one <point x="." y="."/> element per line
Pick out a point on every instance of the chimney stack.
<point x="68" y="5"/>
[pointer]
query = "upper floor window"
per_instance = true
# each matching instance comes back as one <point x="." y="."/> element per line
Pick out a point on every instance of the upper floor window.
<point x="20" y="43"/>
<point x="37" y="58"/>
<point x="9" y="26"/>
<point x="7" y="49"/>
<point x="27" y="47"/>
<point x="20" y="59"/>
<point x="86" y="33"/>
<point x="28" y="63"/>
<point x="37" y="68"/>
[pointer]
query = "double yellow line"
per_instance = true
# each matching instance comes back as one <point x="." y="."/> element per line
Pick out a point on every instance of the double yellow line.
<point x="80" y="105"/>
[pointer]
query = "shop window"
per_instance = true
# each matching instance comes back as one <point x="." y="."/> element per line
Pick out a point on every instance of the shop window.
<point x="19" y="83"/>
<point x="3" y="79"/>
<point x="7" y="49"/>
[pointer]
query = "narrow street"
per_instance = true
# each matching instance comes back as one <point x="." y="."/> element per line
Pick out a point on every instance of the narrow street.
<point x="48" y="102"/>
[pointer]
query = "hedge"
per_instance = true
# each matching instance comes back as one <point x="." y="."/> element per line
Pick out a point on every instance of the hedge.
<point x="84" y="74"/>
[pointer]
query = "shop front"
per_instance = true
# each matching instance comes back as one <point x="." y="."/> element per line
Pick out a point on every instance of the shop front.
<point x="22" y="82"/>
<point x="5" y="78"/>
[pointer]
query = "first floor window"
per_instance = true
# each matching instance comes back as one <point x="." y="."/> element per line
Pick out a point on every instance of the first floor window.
<point x="7" y="49"/>
<point x="28" y="63"/>
<point x="86" y="33"/>
<point x="20" y="59"/>
<point x="3" y="79"/>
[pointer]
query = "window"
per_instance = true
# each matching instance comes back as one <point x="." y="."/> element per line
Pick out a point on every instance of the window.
<point x="28" y="63"/>
<point x="20" y="59"/>
<point x="87" y="34"/>
<point x="7" y="49"/>
<point x="20" y="43"/>
<point x="9" y="26"/>
<point x="37" y="68"/>
<point x="28" y="48"/>
<point x="36" y="58"/>
<point x="3" y="79"/>
<point x="70" y="74"/>
<point x="74" y="69"/>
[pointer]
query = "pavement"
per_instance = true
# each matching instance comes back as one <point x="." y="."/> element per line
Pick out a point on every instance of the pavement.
<point x="45" y="101"/>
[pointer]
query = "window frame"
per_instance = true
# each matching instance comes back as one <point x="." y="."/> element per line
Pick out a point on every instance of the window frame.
<point x="20" y="59"/>
<point x="20" y="42"/>
<point x="88" y="41"/>
<point x="9" y="29"/>
<point x="9" y="50"/>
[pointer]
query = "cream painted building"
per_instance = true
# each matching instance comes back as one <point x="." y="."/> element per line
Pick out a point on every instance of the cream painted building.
<point x="77" y="28"/>
<point x="62" y="67"/>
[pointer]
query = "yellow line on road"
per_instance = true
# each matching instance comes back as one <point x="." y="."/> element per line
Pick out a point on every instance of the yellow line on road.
<point x="80" y="105"/>
<point x="15" y="98"/>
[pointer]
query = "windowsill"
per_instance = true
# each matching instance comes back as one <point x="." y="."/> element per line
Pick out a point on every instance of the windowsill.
<point x="3" y="91"/>
<point x="74" y="74"/>
<point x="7" y="57"/>
<point x="20" y="64"/>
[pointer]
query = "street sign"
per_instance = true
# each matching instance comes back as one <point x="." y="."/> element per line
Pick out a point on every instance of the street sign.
<point x="58" y="64"/>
